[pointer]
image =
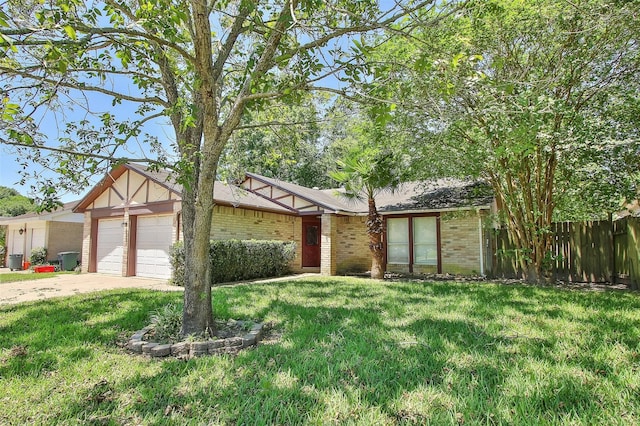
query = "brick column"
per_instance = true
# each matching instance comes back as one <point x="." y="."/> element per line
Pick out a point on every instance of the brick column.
<point x="86" y="242"/>
<point x="125" y="243"/>
<point x="329" y="244"/>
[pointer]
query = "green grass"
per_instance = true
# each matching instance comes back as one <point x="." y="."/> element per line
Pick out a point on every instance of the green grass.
<point x="351" y="352"/>
<point x="11" y="277"/>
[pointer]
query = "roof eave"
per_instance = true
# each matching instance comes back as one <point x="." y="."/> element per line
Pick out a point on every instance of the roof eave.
<point x="108" y="180"/>
<point x="446" y="209"/>
<point x="297" y="194"/>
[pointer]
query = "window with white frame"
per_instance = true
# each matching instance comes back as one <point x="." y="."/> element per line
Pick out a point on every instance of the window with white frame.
<point x="425" y="240"/>
<point x="398" y="240"/>
<point x="412" y="240"/>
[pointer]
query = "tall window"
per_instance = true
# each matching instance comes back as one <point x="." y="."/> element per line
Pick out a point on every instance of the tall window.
<point x="425" y="240"/>
<point x="398" y="240"/>
<point x="412" y="240"/>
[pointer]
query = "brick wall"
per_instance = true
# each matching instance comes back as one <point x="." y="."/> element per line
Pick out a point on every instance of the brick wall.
<point x="86" y="241"/>
<point x="64" y="236"/>
<point x="328" y="245"/>
<point x="459" y="238"/>
<point x="460" y="242"/>
<point x="352" y="248"/>
<point x="242" y="224"/>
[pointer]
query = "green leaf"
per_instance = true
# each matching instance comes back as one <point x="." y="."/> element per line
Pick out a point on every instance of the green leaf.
<point x="9" y="110"/>
<point x="456" y="60"/>
<point x="9" y="42"/>
<point x="71" y="32"/>
<point x="3" y="19"/>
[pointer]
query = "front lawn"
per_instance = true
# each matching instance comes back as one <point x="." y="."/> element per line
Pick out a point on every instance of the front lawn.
<point x="10" y="277"/>
<point x="351" y="351"/>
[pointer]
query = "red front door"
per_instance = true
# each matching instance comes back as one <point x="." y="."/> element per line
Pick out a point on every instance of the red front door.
<point x="311" y="242"/>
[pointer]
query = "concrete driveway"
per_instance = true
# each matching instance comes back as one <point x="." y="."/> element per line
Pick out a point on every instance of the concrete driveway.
<point x="70" y="284"/>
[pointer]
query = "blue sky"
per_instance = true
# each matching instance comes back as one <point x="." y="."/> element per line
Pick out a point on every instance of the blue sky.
<point x="52" y="124"/>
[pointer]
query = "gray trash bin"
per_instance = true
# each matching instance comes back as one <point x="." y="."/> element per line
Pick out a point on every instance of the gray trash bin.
<point x="68" y="260"/>
<point x="15" y="262"/>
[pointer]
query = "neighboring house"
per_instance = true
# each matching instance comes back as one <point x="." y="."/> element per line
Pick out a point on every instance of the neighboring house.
<point x="57" y="231"/>
<point x="132" y="218"/>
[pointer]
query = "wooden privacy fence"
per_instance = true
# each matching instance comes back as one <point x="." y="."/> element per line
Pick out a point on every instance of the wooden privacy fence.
<point x="597" y="252"/>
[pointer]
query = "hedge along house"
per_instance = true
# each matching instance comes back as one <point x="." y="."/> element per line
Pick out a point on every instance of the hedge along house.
<point x="57" y="231"/>
<point x="132" y="217"/>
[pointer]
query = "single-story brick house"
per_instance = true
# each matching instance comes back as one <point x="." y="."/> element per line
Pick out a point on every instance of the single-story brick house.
<point x="57" y="231"/>
<point x="132" y="218"/>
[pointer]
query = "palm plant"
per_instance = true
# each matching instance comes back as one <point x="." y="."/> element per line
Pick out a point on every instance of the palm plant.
<point x="364" y="173"/>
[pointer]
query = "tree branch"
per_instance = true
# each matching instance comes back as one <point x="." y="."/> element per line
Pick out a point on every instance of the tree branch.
<point x="77" y="153"/>
<point x="83" y="87"/>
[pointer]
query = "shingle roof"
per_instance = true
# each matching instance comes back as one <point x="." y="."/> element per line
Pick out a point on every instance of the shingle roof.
<point x="423" y="195"/>
<point x="434" y="195"/>
<point x="320" y="197"/>
<point x="440" y="194"/>
<point x="237" y="197"/>
<point x="223" y="194"/>
<point x="66" y="208"/>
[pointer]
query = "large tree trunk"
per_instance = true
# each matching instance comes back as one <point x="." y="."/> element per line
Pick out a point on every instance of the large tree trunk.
<point x="198" y="313"/>
<point x="198" y="316"/>
<point x="375" y="230"/>
<point x="197" y="211"/>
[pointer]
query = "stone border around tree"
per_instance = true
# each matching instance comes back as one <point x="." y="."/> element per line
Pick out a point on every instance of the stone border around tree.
<point x="191" y="349"/>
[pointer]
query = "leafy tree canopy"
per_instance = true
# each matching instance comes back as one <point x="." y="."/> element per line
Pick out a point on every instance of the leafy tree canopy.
<point x="14" y="204"/>
<point x="283" y="141"/>
<point x="539" y="98"/>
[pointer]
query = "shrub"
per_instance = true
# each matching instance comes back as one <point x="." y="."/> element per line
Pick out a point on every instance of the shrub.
<point x="235" y="260"/>
<point x="167" y="322"/>
<point x="38" y="256"/>
<point x="176" y="255"/>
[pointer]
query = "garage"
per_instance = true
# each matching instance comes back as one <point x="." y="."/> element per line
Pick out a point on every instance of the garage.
<point x="38" y="239"/>
<point x="153" y="242"/>
<point x="110" y="246"/>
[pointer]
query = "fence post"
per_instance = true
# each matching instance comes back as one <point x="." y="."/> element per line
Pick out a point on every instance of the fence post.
<point x="612" y="249"/>
<point x="633" y="244"/>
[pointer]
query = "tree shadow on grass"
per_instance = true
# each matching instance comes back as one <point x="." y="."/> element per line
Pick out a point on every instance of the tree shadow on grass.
<point x="57" y="332"/>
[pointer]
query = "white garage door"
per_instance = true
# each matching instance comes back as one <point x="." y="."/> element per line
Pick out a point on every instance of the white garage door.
<point x="110" y="246"/>
<point x="153" y="242"/>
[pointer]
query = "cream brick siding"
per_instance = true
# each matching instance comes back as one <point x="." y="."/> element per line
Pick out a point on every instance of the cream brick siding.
<point x="126" y="236"/>
<point x="460" y="243"/>
<point x="417" y="269"/>
<point x="352" y="251"/>
<point x="86" y="241"/>
<point x="64" y="236"/>
<point x="328" y="245"/>
<point x="243" y="224"/>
